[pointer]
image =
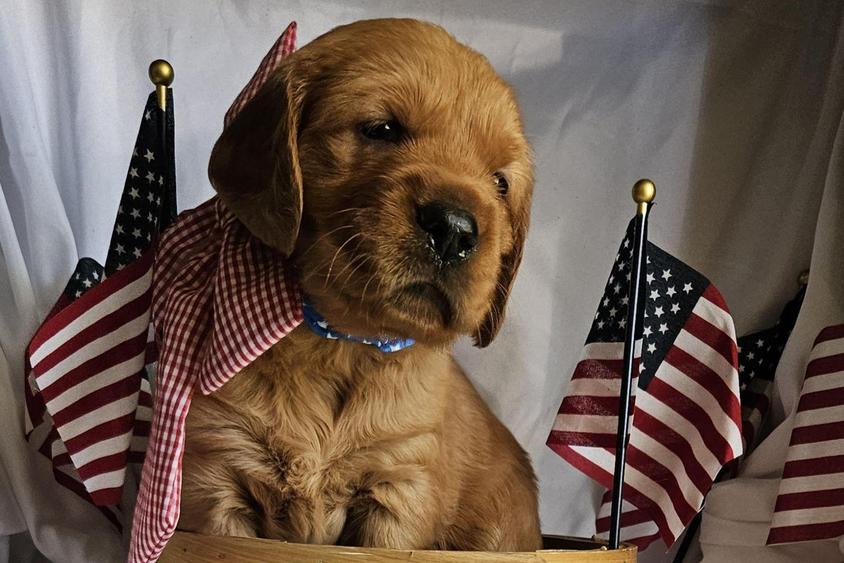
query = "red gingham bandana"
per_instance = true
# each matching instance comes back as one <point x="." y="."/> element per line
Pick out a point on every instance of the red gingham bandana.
<point x="220" y="299"/>
<point x="283" y="46"/>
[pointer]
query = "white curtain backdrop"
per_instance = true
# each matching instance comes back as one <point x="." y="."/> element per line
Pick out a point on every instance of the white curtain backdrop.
<point x="733" y="108"/>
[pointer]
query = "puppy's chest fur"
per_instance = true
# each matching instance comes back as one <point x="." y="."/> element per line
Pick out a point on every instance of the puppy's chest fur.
<point x="311" y="437"/>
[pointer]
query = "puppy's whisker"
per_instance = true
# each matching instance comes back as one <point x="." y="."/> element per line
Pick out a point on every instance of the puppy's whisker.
<point x="365" y="287"/>
<point x="363" y="260"/>
<point x="347" y="210"/>
<point x="336" y="254"/>
<point x="341" y="287"/>
<point x="360" y="261"/>
<point x="352" y="261"/>
<point x="494" y="313"/>
<point x="329" y="233"/>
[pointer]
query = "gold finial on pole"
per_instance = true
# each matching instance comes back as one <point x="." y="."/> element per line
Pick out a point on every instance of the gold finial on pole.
<point x="161" y="74"/>
<point x="644" y="192"/>
<point x="803" y="278"/>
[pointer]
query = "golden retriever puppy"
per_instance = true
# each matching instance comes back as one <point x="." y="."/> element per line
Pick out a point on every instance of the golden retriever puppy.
<point x="388" y="161"/>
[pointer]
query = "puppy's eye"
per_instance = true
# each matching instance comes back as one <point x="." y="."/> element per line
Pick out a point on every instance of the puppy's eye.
<point x="390" y="130"/>
<point x="501" y="183"/>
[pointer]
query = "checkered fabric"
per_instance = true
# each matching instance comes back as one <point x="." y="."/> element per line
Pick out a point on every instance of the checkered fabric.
<point x="220" y="299"/>
<point x="283" y="46"/>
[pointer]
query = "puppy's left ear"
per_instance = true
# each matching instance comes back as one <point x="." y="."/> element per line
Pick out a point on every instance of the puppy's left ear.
<point x="255" y="163"/>
<point x="510" y="261"/>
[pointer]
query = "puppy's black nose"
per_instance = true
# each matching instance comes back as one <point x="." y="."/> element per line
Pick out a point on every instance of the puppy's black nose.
<point x="452" y="233"/>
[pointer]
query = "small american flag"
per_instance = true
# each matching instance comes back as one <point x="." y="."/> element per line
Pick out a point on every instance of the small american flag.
<point x="810" y="504"/>
<point x="88" y="393"/>
<point x="686" y="421"/>
<point x="759" y="355"/>
<point x="221" y="298"/>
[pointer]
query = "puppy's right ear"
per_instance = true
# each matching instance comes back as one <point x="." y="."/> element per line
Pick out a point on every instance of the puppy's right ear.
<point x="254" y="166"/>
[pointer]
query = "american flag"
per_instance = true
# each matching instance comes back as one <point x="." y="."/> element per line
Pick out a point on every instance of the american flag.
<point x="810" y="504"/>
<point x="88" y="392"/>
<point x="686" y="421"/>
<point x="221" y="298"/>
<point x="759" y="355"/>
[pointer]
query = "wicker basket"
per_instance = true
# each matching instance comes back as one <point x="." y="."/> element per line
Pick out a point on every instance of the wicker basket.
<point x="186" y="547"/>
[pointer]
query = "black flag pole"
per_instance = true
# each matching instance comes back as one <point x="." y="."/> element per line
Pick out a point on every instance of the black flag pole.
<point x="161" y="74"/>
<point x="643" y="194"/>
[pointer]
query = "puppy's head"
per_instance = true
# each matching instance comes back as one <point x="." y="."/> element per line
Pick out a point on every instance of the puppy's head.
<point x="389" y="162"/>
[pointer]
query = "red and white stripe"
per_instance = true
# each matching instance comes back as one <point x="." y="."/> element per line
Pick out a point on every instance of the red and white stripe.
<point x="637" y="526"/>
<point x="86" y="362"/>
<point x="810" y="504"/>
<point x="686" y="424"/>
<point x="143" y="422"/>
<point x="43" y="437"/>
<point x="754" y="410"/>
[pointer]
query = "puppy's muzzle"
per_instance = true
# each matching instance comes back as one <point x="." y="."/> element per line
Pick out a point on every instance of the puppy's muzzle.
<point x="451" y="233"/>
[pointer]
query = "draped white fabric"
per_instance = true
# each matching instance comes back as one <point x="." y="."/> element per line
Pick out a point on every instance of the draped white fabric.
<point x="734" y="109"/>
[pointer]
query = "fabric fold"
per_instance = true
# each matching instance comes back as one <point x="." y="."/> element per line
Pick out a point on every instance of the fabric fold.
<point x="221" y="298"/>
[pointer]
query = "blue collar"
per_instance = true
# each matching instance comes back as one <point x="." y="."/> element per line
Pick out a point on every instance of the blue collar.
<point x="319" y="325"/>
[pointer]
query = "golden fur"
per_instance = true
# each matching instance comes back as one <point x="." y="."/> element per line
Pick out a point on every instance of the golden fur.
<point x="326" y="441"/>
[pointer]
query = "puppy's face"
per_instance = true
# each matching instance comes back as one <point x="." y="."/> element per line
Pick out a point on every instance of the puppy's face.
<point x="389" y="161"/>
